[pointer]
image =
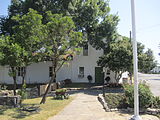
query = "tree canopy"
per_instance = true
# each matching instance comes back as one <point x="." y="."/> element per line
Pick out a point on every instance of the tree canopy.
<point x="120" y="58"/>
<point x="91" y="17"/>
<point x="61" y="39"/>
<point x="10" y="55"/>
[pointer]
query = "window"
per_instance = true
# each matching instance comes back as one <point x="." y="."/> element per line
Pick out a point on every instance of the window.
<point x="81" y="72"/>
<point x="21" y="71"/>
<point x="50" y="71"/>
<point x="85" y="50"/>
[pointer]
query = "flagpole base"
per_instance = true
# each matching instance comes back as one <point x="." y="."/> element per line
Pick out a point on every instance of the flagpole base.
<point x="136" y="118"/>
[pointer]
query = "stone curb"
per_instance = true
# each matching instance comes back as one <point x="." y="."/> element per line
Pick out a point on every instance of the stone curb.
<point x="149" y="111"/>
<point x="104" y="104"/>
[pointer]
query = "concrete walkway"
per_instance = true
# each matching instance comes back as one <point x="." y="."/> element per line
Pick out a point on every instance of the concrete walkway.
<point x="86" y="107"/>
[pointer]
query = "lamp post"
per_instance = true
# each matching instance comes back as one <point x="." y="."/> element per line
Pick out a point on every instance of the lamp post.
<point x="135" y="60"/>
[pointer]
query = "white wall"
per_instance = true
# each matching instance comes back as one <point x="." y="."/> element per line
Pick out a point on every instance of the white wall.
<point x="39" y="72"/>
<point x="88" y="62"/>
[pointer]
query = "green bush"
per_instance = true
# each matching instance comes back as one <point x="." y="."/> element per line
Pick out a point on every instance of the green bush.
<point x="62" y="90"/>
<point x="145" y="95"/>
<point x="61" y="94"/>
<point x="23" y="93"/>
<point x="115" y="100"/>
<point x="156" y="102"/>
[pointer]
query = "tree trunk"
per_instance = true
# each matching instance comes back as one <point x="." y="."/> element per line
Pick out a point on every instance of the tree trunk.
<point x="54" y="64"/>
<point x="23" y="77"/>
<point x="14" y="79"/>
<point x="46" y="92"/>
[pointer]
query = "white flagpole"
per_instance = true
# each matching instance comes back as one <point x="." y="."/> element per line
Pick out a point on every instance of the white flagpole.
<point x="135" y="60"/>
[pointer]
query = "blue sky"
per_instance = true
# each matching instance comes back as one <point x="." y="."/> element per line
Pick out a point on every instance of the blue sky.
<point x="147" y="20"/>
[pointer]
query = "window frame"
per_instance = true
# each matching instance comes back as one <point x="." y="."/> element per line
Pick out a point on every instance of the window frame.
<point x="50" y="71"/>
<point x="20" y="70"/>
<point x="85" y="50"/>
<point x="81" y="72"/>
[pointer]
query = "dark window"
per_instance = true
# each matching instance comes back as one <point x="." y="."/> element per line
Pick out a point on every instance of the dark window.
<point x="50" y="71"/>
<point x="81" y="72"/>
<point x="21" y="71"/>
<point x="85" y="50"/>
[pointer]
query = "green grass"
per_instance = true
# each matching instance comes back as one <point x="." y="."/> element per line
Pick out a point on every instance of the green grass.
<point x="50" y="108"/>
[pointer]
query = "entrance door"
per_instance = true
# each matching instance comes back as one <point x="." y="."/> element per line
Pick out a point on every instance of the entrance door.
<point x="99" y="75"/>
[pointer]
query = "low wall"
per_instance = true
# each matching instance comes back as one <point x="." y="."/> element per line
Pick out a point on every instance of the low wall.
<point x="10" y="100"/>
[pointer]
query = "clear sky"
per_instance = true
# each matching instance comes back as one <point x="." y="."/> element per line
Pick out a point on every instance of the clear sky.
<point x="147" y="20"/>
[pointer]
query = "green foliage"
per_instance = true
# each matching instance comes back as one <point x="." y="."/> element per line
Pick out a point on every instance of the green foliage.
<point x="92" y="17"/>
<point x="61" y="94"/>
<point x="145" y="95"/>
<point x="61" y="38"/>
<point x="146" y="61"/>
<point x="156" y="102"/>
<point x="118" y="58"/>
<point x="3" y="87"/>
<point x="10" y="52"/>
<point x="61" y="90"/>
<point x="29" y="34"/>
<point x="114" y="100"/>
<point x="23" y="93"/>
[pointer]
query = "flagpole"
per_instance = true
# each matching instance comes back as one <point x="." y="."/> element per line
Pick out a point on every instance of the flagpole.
<point x="135" y="62"/>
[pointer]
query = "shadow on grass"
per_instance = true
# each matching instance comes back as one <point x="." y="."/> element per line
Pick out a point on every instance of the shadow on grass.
<point x="26" y="110"/>
<point x="3" y="109"/>
<point x="19" y="113"/>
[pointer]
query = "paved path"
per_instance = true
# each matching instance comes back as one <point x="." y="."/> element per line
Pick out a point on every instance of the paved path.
<point x="153" y="80"/>
<point x="86" y="107"/>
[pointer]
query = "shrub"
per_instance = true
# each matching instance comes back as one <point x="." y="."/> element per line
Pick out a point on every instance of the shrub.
<point x="23" y="92"/>
<point x="156" y="102"/>
<point x="145" y="95"/>
<point x="61" y="94"/>
<point x="115" y="100"/>
<point x="63" y="90"/>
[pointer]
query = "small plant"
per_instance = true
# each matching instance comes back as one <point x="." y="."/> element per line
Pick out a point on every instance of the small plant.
<point x="23" y="92"/>
<point x="61" y="94"/>
<point x="145" y="95"/>
<point x="156" y="102"/>
<point x="3" y="87"/>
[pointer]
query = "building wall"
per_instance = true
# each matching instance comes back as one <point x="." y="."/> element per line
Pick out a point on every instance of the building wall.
<point x="39" y="72"/>
<point x="89" y="63"/>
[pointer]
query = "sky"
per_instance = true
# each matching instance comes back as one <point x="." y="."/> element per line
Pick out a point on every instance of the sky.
<point x="147" y="20"/>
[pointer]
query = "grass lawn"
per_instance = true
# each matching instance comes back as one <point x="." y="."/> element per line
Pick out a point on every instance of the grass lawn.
<point x="50" y="108"/>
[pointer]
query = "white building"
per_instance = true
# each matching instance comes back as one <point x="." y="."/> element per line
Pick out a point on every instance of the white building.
<point x="77" y="70"/>
<point x="156" y="69"/>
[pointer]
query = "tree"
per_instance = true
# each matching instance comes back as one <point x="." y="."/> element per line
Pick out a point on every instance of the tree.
<point x="91" y="17"/>
<point x="119" y="59"/>
<point x="10" y="55"/>
<point x="146" y="61"/>
<point x="61" y="40"/>
<point x="6" y="22"/>
<point x="29" y="34"/>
